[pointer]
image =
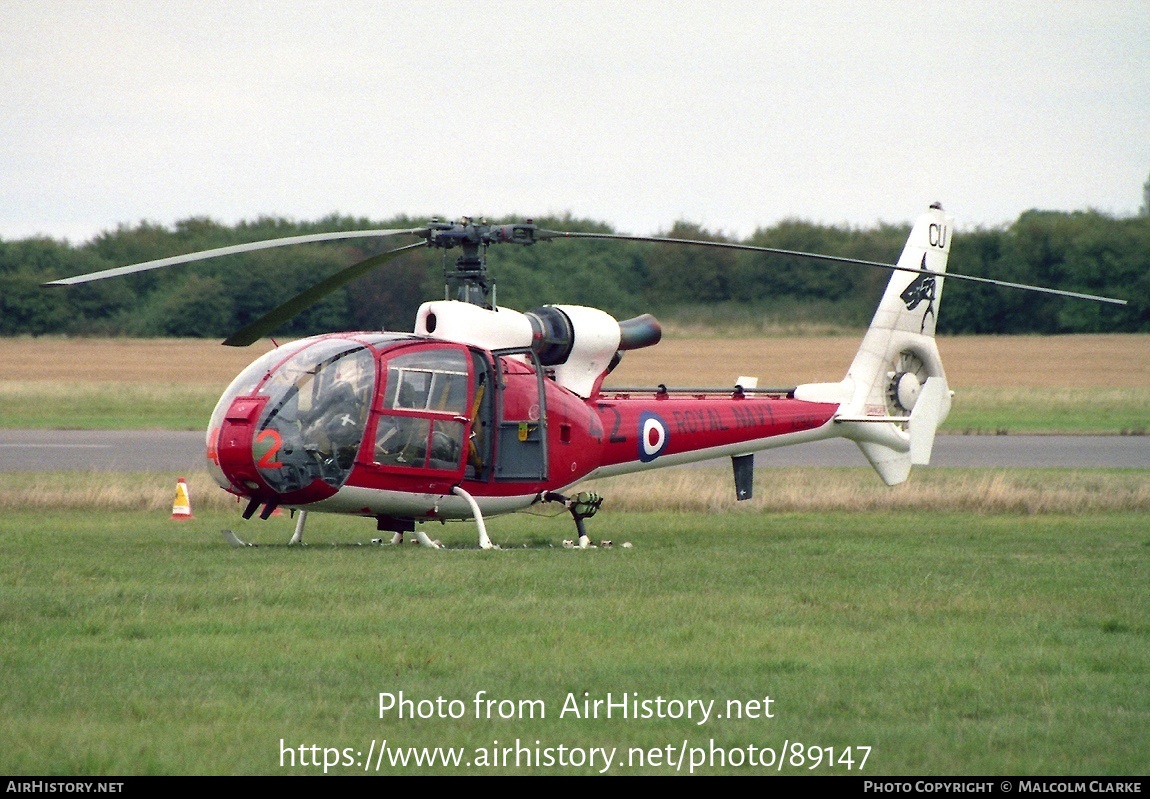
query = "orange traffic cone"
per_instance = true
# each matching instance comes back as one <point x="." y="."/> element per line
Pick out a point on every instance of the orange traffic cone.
<point x="182" y="507"/>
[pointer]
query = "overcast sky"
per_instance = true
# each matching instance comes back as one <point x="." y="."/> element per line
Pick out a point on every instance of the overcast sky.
<point x="732" y="115"/>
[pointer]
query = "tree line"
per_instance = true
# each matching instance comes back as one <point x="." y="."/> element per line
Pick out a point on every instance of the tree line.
<point x="1078" y="251"/>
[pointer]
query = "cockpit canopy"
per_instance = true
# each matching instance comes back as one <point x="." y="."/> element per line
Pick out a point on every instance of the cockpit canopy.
<point x="319" y="396"/>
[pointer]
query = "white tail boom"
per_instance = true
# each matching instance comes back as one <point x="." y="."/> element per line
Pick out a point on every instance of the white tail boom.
<point x="895" y="394"/>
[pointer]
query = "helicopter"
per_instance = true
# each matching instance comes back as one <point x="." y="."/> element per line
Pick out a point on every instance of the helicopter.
<point x="483" y="410"/>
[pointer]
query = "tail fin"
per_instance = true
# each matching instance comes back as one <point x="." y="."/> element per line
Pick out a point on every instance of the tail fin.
<point x="895" y="393"/>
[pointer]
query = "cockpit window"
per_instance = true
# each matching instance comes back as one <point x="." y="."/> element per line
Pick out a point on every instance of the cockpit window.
<point x="431" y="380"/>
<point x="424" y="405"/>
<point x="314" y="421"/>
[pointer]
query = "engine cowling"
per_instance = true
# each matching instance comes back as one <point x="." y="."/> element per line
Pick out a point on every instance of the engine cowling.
<point x="577" y="343"/>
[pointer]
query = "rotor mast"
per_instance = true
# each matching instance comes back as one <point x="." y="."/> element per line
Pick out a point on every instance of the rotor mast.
<point x="468" y="279"/>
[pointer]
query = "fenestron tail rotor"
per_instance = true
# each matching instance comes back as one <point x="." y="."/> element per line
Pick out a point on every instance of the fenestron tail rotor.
<point x="906" y="378"/>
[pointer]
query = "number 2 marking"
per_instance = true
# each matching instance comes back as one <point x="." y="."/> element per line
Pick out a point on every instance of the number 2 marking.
<point x="615" y="438"/>
<point x="265" y="461"/>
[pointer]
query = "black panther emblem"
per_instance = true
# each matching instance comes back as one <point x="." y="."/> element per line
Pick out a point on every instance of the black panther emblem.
<point x="921" y="288"/>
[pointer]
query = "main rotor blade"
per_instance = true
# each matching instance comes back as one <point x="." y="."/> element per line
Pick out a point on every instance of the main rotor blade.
<point x="305" y="299"/>
<point x="547" y="235"/>
<point x="232" y="250"/>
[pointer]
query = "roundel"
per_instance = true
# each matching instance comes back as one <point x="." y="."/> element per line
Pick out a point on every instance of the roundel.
<point x="653" y="436"/>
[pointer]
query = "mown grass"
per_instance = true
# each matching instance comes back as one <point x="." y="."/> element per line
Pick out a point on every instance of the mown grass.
<point x="1115" y="411"/>
<point x="105" y="405"/>
<point x="950" y="642"/>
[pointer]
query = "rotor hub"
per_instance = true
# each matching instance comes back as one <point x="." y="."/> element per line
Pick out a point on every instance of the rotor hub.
<point x="905" y="388"/>
<point x="469" y="278"/>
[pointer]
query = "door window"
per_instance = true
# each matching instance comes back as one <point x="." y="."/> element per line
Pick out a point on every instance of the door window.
<point x="422" y="422"/>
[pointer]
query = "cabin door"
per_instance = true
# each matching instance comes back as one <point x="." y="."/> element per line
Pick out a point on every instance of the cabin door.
<point x="521" y="431"/>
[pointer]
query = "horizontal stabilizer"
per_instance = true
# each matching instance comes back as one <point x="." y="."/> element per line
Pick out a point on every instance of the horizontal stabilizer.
<point x="872" y="419"/>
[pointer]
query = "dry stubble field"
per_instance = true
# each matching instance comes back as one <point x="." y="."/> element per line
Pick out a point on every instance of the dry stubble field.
<point x="1022" y="384"/>
<point x="1097" y="384"/>
<point x="1086" y="361"/>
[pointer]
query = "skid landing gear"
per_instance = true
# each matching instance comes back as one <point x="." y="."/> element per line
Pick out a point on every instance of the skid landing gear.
<point x="583" y="505"/>
<point x="300" y="521"/>
<point x="484" y="541"/>
<point x="421" y="538"/>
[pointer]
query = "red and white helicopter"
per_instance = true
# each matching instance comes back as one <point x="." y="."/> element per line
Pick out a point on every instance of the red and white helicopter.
<point x="485" y="410"/>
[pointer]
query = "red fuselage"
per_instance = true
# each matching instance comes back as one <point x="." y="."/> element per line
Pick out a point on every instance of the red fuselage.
<point x="387" y="425"/>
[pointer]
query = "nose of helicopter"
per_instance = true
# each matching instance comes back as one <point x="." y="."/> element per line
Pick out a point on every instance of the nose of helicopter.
<point x="260" y="464"/>
<point x="288" y="429"/>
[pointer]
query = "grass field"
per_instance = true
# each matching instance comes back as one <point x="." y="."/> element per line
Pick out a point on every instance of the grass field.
<point x="947" y="643"/>
<point x="969" y="622"/>
<point x="1097" y="384"/>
